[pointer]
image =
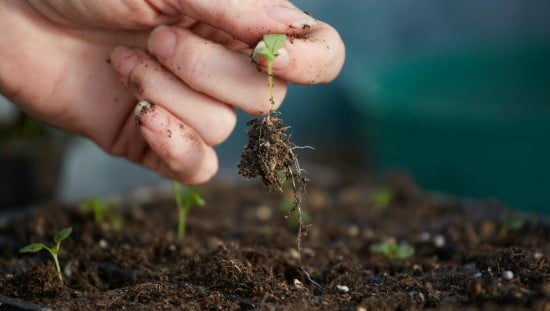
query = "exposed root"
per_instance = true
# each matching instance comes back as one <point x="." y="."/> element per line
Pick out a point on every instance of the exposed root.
<point x="269" y="154"/>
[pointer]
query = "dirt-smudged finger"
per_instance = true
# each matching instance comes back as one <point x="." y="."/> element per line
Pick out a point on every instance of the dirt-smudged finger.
<point x="212" y="119"/>
<point x="311" y="58"/>
<point x="213" y="69"/>
<point x="186" y="156"/>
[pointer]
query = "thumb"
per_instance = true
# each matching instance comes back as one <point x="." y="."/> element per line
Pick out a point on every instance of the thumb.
<point x="248" y="20"/>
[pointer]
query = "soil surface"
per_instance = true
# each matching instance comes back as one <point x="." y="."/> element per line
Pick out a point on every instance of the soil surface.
<point x="240" y="253"/>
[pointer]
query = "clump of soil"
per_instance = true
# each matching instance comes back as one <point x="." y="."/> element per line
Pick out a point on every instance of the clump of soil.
<point x="269" y="154"/>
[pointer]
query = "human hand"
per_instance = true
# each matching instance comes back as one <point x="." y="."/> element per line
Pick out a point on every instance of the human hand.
<point x="54" y="62"/>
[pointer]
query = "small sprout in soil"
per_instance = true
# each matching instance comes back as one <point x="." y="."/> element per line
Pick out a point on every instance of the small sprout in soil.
<point x="293" y="215"/>
<point x="382" y="197"/>
<point x="511" y="223"/>
<point x="103" y="212"/>
<point x="53" y="250"/>
<point x="184" y="200"/>
<point x="392" y="250"/>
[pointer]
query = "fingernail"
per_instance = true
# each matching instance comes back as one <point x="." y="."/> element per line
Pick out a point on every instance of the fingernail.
<point x="258" y="47"/>
<point x="124" y="59"/>
<point x="152" y="119"/>
<point x="162" y="41"/>
<point x="282" y="60"/>
<point x="294" y="18"/>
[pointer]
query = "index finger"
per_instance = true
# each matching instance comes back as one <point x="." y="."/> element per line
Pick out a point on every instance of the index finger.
<point x="248" y="20"/>
<point x="314" y="52"/>
<point x="316" y="56"/>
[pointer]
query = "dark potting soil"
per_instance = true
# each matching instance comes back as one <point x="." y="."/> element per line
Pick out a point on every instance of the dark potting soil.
<point x="240" y="253"/>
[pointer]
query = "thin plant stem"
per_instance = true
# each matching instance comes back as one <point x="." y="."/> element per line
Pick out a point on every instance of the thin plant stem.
<point x="270" y="82"/>
<point x="182" y="218"/>
<point x="270" y="85"/>
<point x="56" y="261"/>
<point x="182" y="210"/>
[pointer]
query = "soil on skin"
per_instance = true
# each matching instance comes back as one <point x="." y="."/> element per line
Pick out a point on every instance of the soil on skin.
<point x="240" y="254"/>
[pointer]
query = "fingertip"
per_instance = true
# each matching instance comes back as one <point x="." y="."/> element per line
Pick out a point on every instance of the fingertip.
<point x="282" y="61"/>
<point x="188" y="158"/>
<point x="124" y="59"/>
<point x="162" y="41"/>
<point x="207" y="170"/>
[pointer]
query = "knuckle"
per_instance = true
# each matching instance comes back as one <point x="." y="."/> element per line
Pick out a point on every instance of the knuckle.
<point x="192" y="68"/>
<point x="135" y="13"/>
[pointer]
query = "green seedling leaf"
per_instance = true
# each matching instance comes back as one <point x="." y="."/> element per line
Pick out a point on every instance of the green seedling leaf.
<point x="53" y="250"/>
<point x="391" y="250"/>
<point x="193" y="197"/>
<point x="381" y="248"/>
<point x="103" y="211"/>
<point x="62" y="235"/>
<point x="512" y="223"/>
<point x="404" y="251"/>
<point x="382" y="197"/>
<point x="32" y="248"/>
<point x="274" y="42"/>
<point x="97" y="207"/>
<point x="184" y="201"/>
<point x="269" y="46"/>
<point x="294" y="214"/>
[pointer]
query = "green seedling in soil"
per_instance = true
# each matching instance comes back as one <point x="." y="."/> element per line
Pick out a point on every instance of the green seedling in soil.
<point x="184" y="201"/>
<point x="103" y="212"/>
<point x="53" y="250"/>
<point x="382" y="197"/>
<point x="511" y="223"/>
<point x="269" y="151"/>
<point x="392" y="250"/>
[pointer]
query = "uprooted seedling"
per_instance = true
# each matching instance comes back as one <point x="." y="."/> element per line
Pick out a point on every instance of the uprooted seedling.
<point x="269" y="152"/>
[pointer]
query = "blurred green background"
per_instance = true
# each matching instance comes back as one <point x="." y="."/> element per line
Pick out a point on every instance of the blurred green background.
<point x="457" y="93"/>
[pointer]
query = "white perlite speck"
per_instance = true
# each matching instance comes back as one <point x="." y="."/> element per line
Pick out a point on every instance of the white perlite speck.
<point x="142" y="106"/>
<point x="342" y="288"/>
<point x="508" y="275"/>
<point x="439" y="241"/>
